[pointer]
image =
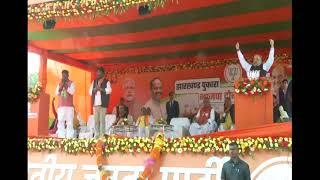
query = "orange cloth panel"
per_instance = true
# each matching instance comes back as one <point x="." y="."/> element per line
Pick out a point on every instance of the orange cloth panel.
<point x="39" y="126"/>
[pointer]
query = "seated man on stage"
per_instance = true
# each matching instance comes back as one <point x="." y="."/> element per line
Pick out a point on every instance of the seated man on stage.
<point x="205" y="120"/>
<point x="143" y="120"/>
<point x="257" y="61"/>
<point x="124" y="118"/>
<point x="149" y="114"/>
<point x="116" y="108"/>
<point x="279" y="114"/>
<point x="228" y="115"/>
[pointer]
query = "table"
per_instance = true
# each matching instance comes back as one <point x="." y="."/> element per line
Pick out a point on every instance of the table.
<point x="181" y="126"/>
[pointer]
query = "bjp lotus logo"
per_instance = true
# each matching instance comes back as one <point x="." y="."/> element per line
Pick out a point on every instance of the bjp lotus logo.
<point x="232" y="72"/>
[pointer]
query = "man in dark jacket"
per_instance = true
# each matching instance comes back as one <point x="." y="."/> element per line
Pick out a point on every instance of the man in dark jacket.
<point x="172" y="108"/>
<point x="289" y="99"/>
<point x="282" y="93"/>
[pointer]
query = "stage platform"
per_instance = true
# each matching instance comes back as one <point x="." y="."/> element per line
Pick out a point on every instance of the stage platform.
<point x="267" y="150"/>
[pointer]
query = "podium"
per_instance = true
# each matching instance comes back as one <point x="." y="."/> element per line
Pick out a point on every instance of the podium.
<point x="253" y="110"/>
<point x="38" y="122"/>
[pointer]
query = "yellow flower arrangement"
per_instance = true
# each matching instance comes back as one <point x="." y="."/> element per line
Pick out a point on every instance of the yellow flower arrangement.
<point x="145" y="145"/>
<point x="34" y="93"/>
<point x="92" y="8"/>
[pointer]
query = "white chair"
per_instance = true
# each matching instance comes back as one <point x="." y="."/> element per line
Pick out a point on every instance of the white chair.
<point x="90" y="124"/>
<point x="110" y="119"/>
<point x="85" y="133"/>
<point x="180" y="126"/>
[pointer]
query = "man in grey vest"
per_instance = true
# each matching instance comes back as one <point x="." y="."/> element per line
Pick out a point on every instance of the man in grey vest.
<point x="100" y="91"/>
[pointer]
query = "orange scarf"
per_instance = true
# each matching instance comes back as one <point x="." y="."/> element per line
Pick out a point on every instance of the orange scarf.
<point x="204" y="115"/>
<point x="147" y="120"/>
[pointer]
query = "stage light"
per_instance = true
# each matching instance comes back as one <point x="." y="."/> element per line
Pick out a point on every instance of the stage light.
<point x="144" y="10"/>
<point x="49" y="24"/>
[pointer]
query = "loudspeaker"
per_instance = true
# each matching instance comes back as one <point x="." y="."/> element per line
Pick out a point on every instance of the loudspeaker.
<point x="49" y="24"/>
<point x="143" y="10"/>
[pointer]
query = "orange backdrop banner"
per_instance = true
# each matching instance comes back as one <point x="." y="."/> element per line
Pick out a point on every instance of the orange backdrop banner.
<point x="135" y="88"/>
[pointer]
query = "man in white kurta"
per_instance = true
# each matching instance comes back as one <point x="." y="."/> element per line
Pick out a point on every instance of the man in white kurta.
<point x="205" y="120"/>
<point x="65" y="91"/>
<point x="257" y="61"/>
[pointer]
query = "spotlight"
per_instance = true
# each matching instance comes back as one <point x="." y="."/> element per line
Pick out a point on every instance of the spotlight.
<point x="144" y="10"/>
<point x="49" y="24"/>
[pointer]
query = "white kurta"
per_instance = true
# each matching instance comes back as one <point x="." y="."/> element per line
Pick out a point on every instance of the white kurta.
<point x="210" y="126"/>
<point x="266" y="66"/>
<point x="65" y="117"/>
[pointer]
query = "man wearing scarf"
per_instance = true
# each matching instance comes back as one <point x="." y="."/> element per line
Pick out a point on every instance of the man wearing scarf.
<point x="123" y="117"/>
<point x="65" y="91"/>
<point x="100" y="91"/>
<point x="205" y="120"/>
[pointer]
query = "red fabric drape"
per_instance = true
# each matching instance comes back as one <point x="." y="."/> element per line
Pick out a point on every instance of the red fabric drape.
<point x="268" y="130"/>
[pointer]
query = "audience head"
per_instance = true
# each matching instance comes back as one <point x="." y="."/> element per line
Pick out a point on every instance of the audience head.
<point x="233" y="150"/>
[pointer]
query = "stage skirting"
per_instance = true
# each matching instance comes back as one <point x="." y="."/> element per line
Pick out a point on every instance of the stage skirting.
<point x="263" y="165"/>
<point x="268" y="130"/>
<point x="265" y="161"/>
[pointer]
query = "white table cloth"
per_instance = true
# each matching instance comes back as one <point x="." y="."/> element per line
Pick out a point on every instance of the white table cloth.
<point x="181" y="126"/>
<point x="180" y="122"/>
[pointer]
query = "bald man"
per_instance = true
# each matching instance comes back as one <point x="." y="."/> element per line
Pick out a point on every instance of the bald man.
<point x="205" y="120"/>
<point x="257" y="61"/>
